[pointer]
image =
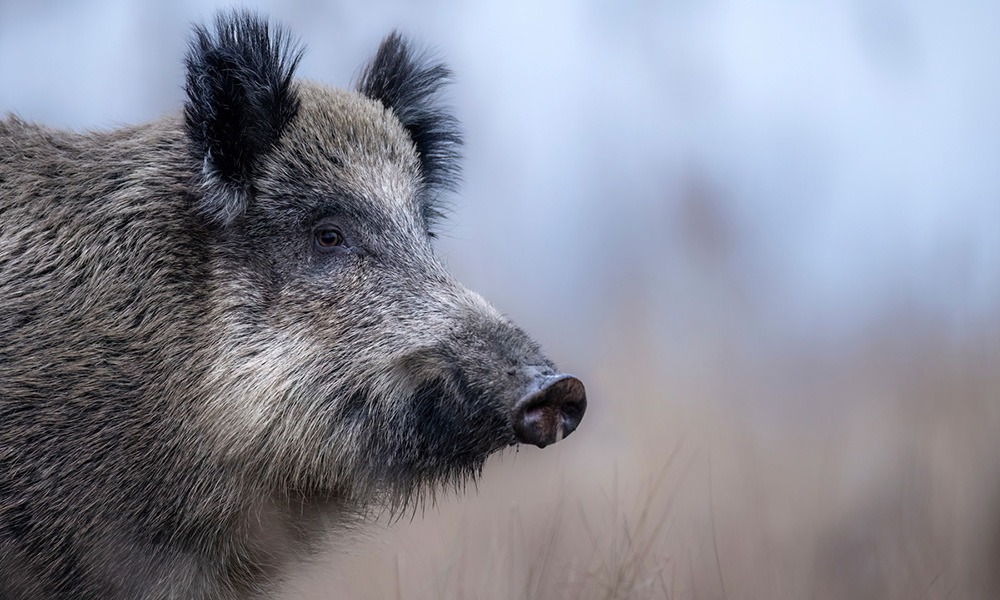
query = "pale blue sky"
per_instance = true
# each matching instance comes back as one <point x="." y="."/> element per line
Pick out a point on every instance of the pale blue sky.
<point x="848" y="153"/>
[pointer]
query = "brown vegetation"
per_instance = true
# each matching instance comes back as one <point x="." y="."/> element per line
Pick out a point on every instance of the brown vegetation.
<point x="677" y="487"/>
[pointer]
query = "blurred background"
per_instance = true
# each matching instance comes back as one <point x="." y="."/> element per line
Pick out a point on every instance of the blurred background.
<point x="766" y="235"/>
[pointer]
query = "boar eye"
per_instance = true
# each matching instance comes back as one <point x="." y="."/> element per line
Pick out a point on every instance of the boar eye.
<point x="329" y="238"/>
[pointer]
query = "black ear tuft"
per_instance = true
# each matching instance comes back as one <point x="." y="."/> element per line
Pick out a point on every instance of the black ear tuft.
<point x="410" y="85"/>
<point x="240" y="100"/>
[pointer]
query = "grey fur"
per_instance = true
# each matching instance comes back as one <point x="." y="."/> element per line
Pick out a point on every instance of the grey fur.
<point x="189" y="404"/>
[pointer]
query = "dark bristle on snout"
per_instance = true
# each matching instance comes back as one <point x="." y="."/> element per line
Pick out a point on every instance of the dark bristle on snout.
<point x="551" y="411"/>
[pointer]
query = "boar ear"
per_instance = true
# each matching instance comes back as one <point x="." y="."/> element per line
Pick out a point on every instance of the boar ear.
<point x="409" y="85"/>
<point x="240" y="99"/>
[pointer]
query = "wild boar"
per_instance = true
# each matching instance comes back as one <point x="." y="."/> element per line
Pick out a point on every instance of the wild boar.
<point x="224" y="334"/>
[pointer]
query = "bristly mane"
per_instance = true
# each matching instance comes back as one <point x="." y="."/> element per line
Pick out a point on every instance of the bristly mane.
<point x="240" y="100"/>
<point x="409" y="85"/>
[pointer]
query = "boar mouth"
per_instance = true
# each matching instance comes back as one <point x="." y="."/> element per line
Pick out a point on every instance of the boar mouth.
<point x="453" y="421"/>
<point x="443" y="430"/>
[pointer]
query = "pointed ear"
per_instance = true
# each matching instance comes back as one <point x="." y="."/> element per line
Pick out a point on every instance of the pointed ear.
<point x="409" y="85"/>
<point x="240" y="99"/>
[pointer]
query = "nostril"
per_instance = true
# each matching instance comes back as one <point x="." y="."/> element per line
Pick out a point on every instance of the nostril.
<point x="551" y="412"/>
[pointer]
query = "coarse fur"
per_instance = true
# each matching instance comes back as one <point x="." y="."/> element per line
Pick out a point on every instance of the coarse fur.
<point x="409" y="88"/>
<point x="194" y="390"/>
<point x="240" y="101"/>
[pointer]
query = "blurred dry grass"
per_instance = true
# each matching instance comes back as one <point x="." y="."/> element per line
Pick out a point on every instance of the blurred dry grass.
<point x="676" y="487"/>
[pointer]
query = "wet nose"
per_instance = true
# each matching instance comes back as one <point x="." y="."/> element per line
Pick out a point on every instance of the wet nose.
<point x="551" y="411"/>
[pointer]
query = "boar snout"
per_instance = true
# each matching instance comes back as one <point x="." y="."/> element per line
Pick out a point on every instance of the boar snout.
<point x="550" y="411"/>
